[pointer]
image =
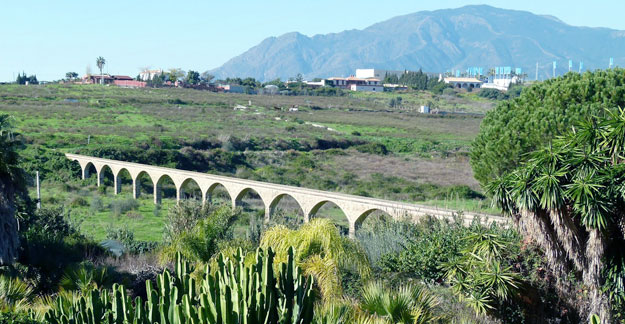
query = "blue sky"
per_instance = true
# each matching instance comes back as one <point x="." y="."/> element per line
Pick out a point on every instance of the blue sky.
<point x="49" y="38"/>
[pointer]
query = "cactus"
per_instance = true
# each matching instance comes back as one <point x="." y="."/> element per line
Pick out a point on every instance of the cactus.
<point x="235" y="293"/>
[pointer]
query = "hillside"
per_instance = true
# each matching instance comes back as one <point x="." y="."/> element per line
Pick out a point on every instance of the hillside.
<point x="433" y="41"/>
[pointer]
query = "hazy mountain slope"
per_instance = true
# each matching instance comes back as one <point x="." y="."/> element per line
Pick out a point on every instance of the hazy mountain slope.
<point x="434" y="41"/>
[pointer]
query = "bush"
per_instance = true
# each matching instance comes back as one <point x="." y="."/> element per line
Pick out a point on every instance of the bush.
<point x="492" y="94"/>
<point x="372" y="148"/>
<point x="200" y="242"/>
<point x="127" y="238"/>
<point x="16" y="318"/>
<point x="119" y="207"/>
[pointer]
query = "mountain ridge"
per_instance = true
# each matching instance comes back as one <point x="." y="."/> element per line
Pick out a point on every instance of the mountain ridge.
<point x="434" y="41"/>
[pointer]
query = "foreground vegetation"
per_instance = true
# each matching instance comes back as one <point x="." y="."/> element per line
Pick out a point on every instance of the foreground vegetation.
<point x="559" y="261"/>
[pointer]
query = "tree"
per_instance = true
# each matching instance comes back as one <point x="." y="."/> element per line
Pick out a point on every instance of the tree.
<point x="320" y="251"/>
<point x="193" y="77"/>
<point x="100" y="62"/>
<point x="71" y="75"/>
<point x="206" y="77"/>
<point x="569" y="197"/>
<point x="405" y="304"/>
<point x="542" y="112"/>
<point x="22" y="79"/>
<point x="176" y="74"/>
<point x="12" y="185"/>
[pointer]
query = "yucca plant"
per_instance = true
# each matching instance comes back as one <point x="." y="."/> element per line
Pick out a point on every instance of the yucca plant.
<point x="569" y="198"/>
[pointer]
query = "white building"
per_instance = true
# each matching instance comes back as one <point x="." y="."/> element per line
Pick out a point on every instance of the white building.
<point x="464" y="83"/>
<point x="149" y="74"/>
<point x="376" y="73"/>
<point x="501" y="83"/>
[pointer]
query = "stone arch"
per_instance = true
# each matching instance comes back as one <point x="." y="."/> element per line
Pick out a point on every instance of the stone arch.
<point x="123" y="175"/>
<point x="248" y="190"/>
<point x="158" y="187"/>
<point x="271" y="207"/>
<point x="217" y="189"/>
<point x="88" y="169"/>
<point x="103" y="173"/>
<point x="365" y="215"/>
<point x="137" y="184"/>
<point x="190" y="188"/>
<point x="342" y="222"/>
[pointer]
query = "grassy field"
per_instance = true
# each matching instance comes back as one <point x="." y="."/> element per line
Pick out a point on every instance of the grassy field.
<point x="355" y="144"/>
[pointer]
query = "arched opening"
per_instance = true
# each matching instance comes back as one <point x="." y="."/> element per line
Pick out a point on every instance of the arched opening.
<point x="379" y="234"/>
<point x="458" y="85"/>
<point x="218" y="194"/>
<point x="190" y="190"/>
<point x="165" y="188"/>
<point x="251" y="219"/>
<point x="286" y="210"/>
<point x="144" y="185"/>
<point x="90" y="173"/>
<point x="124" y="179"/>
<point x="329" y="210"/>
<point x="107" y="179"/>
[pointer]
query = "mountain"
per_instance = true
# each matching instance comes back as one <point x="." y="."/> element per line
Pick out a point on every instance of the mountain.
<point x="434" y="41"/>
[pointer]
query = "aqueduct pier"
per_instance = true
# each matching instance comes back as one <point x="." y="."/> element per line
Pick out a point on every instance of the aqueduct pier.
<point x="355" y="208"/>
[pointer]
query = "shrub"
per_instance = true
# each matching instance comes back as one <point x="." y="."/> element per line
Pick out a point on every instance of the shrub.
<point x="200" y="242"/>
<point x="372" y="148"/>
<point x="119" y="207"/>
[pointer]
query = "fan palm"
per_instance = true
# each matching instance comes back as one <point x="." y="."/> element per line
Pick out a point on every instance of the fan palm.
<point x="14" y="294"/>
<point x="12" y="183"/>
<point x="321" y="252"/>
<point x="100" y="61"/>
<point x="406" y="304"/>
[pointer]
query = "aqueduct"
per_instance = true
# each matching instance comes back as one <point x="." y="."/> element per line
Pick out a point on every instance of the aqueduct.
<point x="355" y="208"/>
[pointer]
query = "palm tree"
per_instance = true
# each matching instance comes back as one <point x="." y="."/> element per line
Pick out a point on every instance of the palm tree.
<point x="100" y="61"/>
<point x="12" y="183"/>
<point x="14" y="294"/>
<point x="406" y="304"/>
<point x="570" y="198"/>
<point x="321" y="251"/>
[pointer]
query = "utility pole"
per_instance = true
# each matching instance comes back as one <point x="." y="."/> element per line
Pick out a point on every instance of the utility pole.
<point x="38" y="192"/>
<point x="536" y="71"/>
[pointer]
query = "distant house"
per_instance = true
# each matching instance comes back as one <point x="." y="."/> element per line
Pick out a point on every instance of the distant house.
<point x="118" y="80"/>
<point x="356" y="84"/>
<point x="501" y="83"/>
<point x="97" y="79"/>
<point x="464" y="83"/>
<point x="230" y="88"/>
<point x="425" y="109"/>
<point x="146" y="75"/>
<point x="377" y="73"/>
